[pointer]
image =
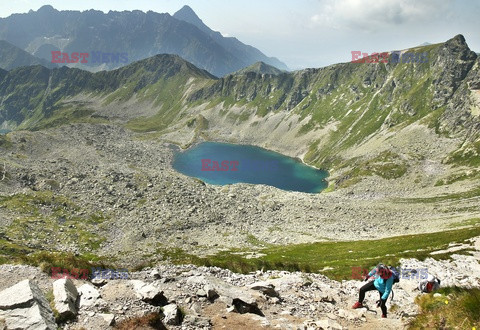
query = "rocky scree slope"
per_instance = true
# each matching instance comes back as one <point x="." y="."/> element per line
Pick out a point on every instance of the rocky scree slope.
<point x="189" y="297"/>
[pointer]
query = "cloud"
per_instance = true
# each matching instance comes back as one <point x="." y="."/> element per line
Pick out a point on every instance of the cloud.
<point x="370" y="15"/>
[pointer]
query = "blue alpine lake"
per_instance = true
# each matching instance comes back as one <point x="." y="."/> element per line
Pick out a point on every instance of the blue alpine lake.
<point x="4" y="131"/>
<point x="224" y="163"/>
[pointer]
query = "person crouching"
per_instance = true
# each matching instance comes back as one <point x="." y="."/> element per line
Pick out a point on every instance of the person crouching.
<point x="383" y="284"/>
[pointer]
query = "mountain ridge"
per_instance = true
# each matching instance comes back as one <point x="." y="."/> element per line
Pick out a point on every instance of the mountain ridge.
<point x="12" y="57"/>
<point x="138" y="34"/>
<point x="261" y="68"/>
<point x="253" y="55"/>
<point x="361" y="100"/>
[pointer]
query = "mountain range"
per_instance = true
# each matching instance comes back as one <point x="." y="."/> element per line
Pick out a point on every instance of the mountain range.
<point x="137" y="34"/>
<point x="13" y="57"/>
<point x="325" y="114"/>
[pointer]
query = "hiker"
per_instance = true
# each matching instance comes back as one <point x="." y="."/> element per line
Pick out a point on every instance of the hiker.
<point x="431" y="283"/>
<point x="383" y="284"/>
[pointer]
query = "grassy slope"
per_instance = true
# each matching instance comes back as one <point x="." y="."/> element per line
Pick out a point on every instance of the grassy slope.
<point x="455" y="308"/>
<point x="335" y="259"/>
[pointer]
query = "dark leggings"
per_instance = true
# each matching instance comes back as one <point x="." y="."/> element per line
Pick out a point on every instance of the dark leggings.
<point x="369" y="287"/>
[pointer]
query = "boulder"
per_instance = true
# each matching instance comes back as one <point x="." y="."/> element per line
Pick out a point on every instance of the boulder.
<point x="210" y="292"/>
<point x="241" y="299"/>
<point x="173" y="316"/>
<point x="66" y="296"/>
<point x="23" y="306"/>
<point x="242" y="307"/>
<point x="267" y="289"/>
<point x="149" y="293"/>
<point x="88" y="295"/>
<point x="99" y="281"/>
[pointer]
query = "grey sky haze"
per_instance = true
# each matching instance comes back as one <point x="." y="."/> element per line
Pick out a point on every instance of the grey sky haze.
<point x="309" y="33"/>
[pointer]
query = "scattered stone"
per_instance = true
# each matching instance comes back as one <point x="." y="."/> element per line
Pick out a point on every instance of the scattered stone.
<point x="23" y="306"/>
<point x="326" y="324"/>
<point x="201" y="293"/>
<point x="196" y="308"/>
<point x="197" y="322"/>
<point x="155" y="274"/>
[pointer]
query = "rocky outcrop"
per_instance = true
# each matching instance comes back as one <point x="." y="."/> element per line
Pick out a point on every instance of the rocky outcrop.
<point x="23" y="306"/>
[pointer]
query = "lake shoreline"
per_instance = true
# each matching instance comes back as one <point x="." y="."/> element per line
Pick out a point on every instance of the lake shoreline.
<point x="289" y="173"/>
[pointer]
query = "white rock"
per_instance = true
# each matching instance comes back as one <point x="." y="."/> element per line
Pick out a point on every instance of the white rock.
<point x="88" y="295"/>
<point x="23" y="306"/>
<point x="108" y="318"/>
<point x="149" y="293"/>
<point x="66" y="296"/>
<point x="155" y="274"/>
<point x="172" y="314"/>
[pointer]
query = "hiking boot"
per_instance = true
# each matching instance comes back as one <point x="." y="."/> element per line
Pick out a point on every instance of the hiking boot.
<point x="357" y="305"/>
<point x="384" y="316"/>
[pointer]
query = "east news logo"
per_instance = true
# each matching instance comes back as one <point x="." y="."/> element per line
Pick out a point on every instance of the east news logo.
<point x="97" y="57"/>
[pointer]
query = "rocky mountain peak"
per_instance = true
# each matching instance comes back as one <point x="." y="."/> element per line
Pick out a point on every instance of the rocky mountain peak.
<point x="187" y="14"/>
<point x="46" y="9"/>
<point x="458" y="45"/>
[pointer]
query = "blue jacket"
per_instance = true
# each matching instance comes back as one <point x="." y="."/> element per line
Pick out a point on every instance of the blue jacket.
<point x="384" y="286"/>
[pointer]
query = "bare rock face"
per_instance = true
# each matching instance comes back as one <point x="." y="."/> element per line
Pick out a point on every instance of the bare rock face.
<point x="66" y="296"/>
<point x="23" y="306"/>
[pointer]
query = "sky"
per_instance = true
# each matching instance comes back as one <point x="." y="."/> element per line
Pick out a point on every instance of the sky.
<point x="309" y="33"/>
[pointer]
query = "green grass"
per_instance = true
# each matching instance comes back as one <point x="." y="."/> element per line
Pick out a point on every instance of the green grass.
<point x="468" y="155"/>
<point x="446" y="197"/>
<point x="469" y="222"/>
<point x="456" y="308"/>
<point x="12" y="253"/>
<point x="387" y="165"/>
<point x="470" y="175"/>
<point x="340" y="256"/>
<point x="38" y="216"/>
<point x="5" y="142"/>
<point x="67" y="115"/>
